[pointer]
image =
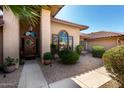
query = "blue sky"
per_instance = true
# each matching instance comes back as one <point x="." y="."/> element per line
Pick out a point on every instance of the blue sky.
<point x="98" y="18"/>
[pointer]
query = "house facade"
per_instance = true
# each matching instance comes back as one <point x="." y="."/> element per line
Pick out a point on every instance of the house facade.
<point x="20" y="40"/>
<point x="103" y="38"/>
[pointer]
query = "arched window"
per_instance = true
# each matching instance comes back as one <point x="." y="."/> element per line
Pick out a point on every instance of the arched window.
<point x="63" y="40"/>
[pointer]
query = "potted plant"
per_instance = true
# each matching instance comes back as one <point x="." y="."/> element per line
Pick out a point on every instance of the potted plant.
<point x="47" y="58"/>
<point x="10" y="64"/>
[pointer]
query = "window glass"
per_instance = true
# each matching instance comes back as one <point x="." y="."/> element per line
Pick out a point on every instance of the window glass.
<point x="63" y="40"/>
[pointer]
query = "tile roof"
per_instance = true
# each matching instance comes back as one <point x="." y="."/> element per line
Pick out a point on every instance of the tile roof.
<point x="84" y="36"/>
<point x="103" y="34"/>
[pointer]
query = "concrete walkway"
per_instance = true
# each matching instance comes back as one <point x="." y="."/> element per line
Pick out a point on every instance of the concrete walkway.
<point x="32" y="76"/>
<point x="92" y="79"/>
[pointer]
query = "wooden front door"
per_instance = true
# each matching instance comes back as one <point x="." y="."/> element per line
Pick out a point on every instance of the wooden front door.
<point x="29" y="45"/>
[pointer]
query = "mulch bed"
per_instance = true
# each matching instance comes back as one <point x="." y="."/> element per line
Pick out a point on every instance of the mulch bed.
<point x="10" y="80"/>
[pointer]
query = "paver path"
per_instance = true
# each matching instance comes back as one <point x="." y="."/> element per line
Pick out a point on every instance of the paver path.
<point x="32" y="76"/>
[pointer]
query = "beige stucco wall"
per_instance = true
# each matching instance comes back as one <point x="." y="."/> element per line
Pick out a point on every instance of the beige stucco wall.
<point x="45" y="31"/>
<point x="10" y="35"/>
<point x="72" y="31"/>
<point x="106" y="42"/>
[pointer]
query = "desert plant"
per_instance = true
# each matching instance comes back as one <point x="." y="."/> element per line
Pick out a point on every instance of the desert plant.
<point x="26" y="13"/>
<point x="10" y="64"/>
<point x="47" y="56"/>
<point x="114" y="62"/>
<point x="98" y="51"/>
<point x="63" y="52"/>
<point x="68" y="57"/>
<point x="79" y="49"/>
<point x="10" y="61"/>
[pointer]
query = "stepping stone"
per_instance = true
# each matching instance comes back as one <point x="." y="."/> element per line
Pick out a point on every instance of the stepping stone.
<point x="102" y="70"/>
<point x="93" y="79"/>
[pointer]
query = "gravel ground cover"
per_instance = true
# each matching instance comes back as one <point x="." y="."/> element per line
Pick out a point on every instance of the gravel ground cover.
<point x="60" y="71"/>
<point x="10" y="80"/>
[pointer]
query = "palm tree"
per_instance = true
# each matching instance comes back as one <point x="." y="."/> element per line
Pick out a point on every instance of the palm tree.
<point x="28" y="14"/>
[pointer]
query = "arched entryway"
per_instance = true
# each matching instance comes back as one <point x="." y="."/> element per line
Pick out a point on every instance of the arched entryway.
<point x="29" y="42"/>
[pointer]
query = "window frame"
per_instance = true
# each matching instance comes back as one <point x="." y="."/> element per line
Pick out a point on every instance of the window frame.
<point x="58" y="36"/>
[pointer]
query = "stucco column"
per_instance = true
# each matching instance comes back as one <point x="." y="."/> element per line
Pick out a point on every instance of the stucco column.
<point x="10" y="34"/>
<point x="45" y="31"/>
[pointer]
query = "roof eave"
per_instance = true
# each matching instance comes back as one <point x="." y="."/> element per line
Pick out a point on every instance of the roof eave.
<point x="105" y="37"/>
<point x="81" y="27"/>
<point x="57" y="11"/>
<point x="86" y="27"/>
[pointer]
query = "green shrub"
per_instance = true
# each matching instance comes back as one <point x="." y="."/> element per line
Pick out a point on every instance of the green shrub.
<point x="47" y="56"/>
<point x="10" y="61"/>
<point x="63" y="52"/>
<point x="114" y="62"/>
<point x="68" y="57"/>
<point x="79" y="48"/>
<point x="98" y="51"/>
<point x="54" y="49"/>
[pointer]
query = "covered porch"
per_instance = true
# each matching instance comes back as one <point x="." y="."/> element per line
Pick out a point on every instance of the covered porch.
<point x="20" y="40"/>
